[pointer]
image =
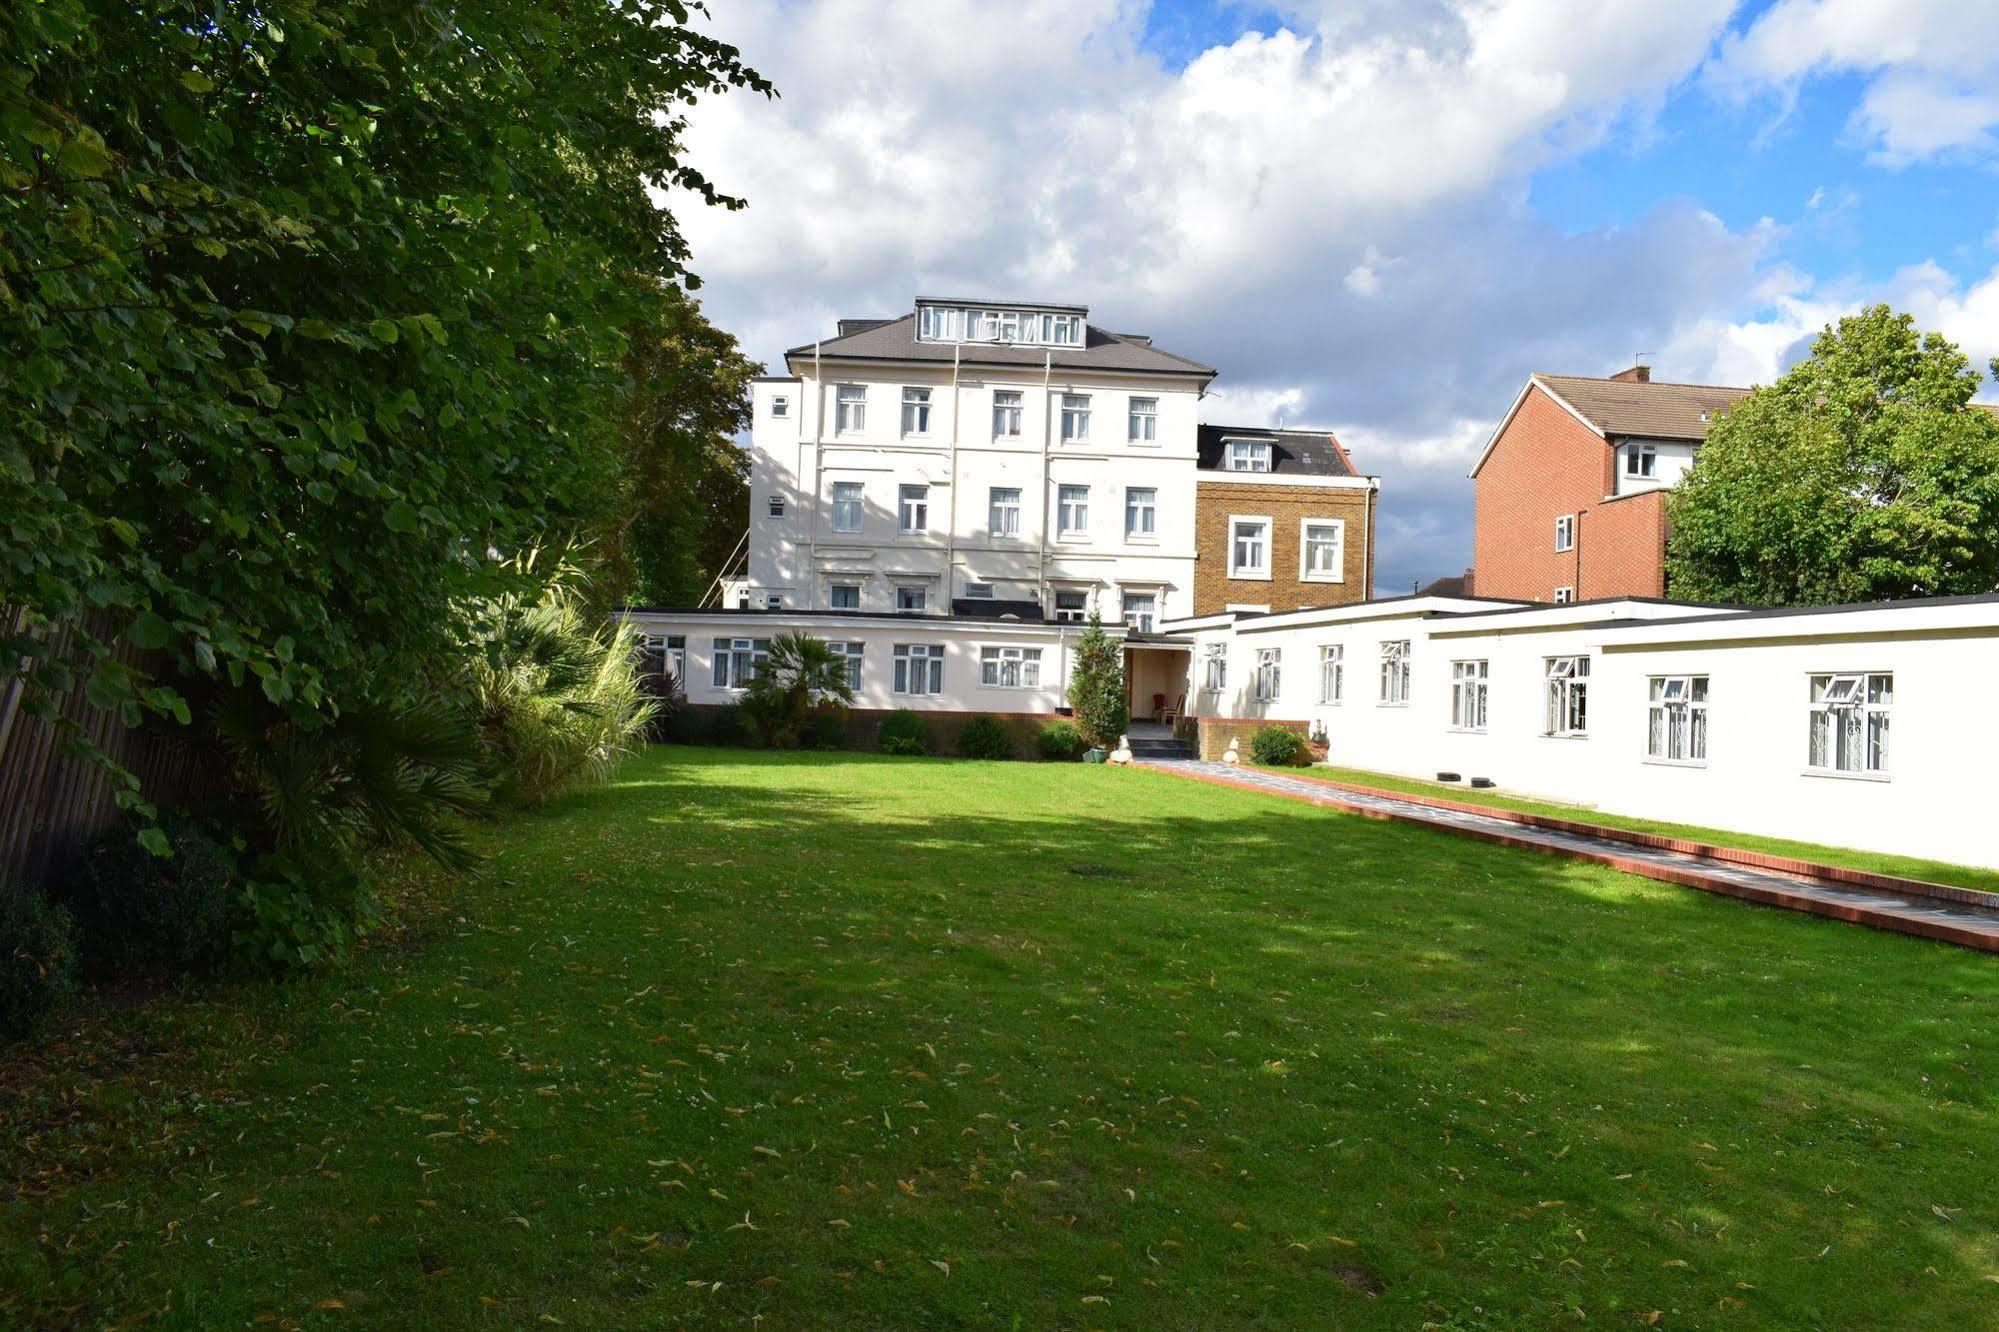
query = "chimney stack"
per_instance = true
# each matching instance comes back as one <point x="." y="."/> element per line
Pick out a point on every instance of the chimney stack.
<point x="1637" y="374"/>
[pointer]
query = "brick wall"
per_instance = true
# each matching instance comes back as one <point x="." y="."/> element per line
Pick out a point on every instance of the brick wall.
<point x="1215" y="733"/>
<point x="1624" y="547"/>
<point x="1545" y="464"/>
<point x="1287" y="507"/>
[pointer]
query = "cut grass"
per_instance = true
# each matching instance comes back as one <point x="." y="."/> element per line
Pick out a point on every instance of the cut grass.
<point x="839" y="1040"/>
<point x="1907" y="867"/>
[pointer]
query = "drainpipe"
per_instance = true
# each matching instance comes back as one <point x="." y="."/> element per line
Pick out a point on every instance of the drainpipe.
<point x="1367" y="540"/>
<point x="818" y="470"/>
<point x="1047" y="427"/>
<point x="951" y="509"/>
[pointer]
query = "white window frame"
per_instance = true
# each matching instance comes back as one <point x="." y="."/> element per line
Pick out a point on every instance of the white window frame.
<point x="1215" y="675"/>
<point x="774" y="506"/>
<point x="1565" y="596"/>
<point x="1850" y="724"/>
<point x="848" y="506"/>
<point x="915" y="411"/>
<point x="833" y="591"/>
<point x="1395" y="674"/>
<point x="918" y="669"/>
<point x="780" y="405"/>
<point x="1003" y="511"/>
<point x="1269" y="680"/>
<point x="1007" y="408"/>
<point x="1236" y="568"/>
<point x="1144" y="510"/>
<point x="737" y="660"/>
<point x="1332" y="673"/>
<point x="852" y="653"/>
<point x="912" y="505"/>
<point x="1471" y="688"/>
<point x="1008" y="667"/>
<point x="915" y="592"/>
<point x="1072" y="614"/>
<point x="1565" y="532"/>
<point x="1567" y="715"/>
<point x="1676" y="720"/>
<point x="1246" y="455"/>
<point x="1338" y="573"/>
<point x="1135" y="617"/>
<point x="978" y="591"/>
<point x="672" y="650"/>
<point x="1641" y="462"/>
<point x="1075" y="418"/>
<point x="1142" y="421"/>
<point x="850" y="409"/>
<point x="1072" y="512"/>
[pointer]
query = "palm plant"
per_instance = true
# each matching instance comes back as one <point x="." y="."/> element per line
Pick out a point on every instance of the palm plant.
<point x="559" y="698"/>
<point x="800" y="675"/>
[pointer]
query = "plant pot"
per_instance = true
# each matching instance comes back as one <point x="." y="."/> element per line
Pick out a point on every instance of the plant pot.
<point x="1095" y="755"/>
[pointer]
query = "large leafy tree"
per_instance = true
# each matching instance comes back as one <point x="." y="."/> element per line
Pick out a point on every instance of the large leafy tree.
<point x="1865" y="473"/>
<point x="684" y="494"/>
<point x="309" y="305"/>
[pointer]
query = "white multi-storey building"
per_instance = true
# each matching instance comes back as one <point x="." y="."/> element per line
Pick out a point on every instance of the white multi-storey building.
<point x="973" y="455"/>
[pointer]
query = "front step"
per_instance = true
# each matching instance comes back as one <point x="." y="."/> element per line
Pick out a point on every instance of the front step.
<point x="1162" y="751"/>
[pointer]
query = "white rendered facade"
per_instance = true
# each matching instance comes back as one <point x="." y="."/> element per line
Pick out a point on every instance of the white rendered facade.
<point x="882" y="485"/>
<point x="1860" y="727"/>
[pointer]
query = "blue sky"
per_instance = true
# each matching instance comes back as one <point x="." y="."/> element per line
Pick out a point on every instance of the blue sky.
<point x="1376" y="216"/>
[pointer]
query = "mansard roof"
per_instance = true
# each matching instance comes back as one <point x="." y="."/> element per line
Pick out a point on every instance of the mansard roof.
<point x="1292" y="452"/>
<point x="896" y="340"/>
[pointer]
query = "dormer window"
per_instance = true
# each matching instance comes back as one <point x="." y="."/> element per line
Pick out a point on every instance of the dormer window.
<point x="1247" y="455"/>
<point x="1022" y="326"/>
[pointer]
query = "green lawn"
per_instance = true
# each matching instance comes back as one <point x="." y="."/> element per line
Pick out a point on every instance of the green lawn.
<point x="1908" y="867"/>
<point x="839" y="1040"/>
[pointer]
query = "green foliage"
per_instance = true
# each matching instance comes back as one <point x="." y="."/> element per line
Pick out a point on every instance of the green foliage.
<point x="1277" y="747"/>
<point x="307" y="306"/>
<point x="683" y="481"/>
<point x="827" y="730"/>
<point x="37" y="959"/>
<point x="1862" y="474"/>
<point x="985" y="738"/>
<point x="296" y="914"/>
<point x="136" y="911"/>
<point x="902" y="732"/>
<point x="559" y="698"/>
<point x="1060" y="741"/>
<point x="799" y="675"/>
<point x="1096" y="686"/>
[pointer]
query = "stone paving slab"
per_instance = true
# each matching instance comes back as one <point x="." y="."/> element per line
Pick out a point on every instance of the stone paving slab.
<point x="1930" y="918"/>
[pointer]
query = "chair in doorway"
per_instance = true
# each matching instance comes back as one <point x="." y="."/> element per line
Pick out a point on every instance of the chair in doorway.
<point x="1171" y="715"/>
<point x="1158" y="706"/>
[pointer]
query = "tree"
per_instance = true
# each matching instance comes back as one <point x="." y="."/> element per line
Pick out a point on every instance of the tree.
<point x="1096" y="686"/>
<point x="684" y="483"/>
<point x="1863" y="474"/>
<point x="308" y="306"/>
<point x="798" y="676"/>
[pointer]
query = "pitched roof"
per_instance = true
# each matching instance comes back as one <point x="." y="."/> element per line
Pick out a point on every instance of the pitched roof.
<point x="1650" y="408"/>
<point x="1292" y="452"/>
<point x="895" y="340"/>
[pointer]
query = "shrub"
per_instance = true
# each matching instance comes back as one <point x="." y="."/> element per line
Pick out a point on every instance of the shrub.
<point x="902" y="733"/>
<point x="559" y="700"/>
<point x="726" y="726"/>
<point x="985" y="738"/>
<point x="1060" y="741"/>
<point x="297" y="915"/>
<point x="37" y="959"/>
<point x="1276" y="747"/>
<point x="799" y="674"/>
<point x="136" y="911"/>
<point x="1096" y="687"/>
<point x="827" y="730"/>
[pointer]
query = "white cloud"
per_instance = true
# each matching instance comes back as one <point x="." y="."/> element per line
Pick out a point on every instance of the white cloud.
<point x="1332" y="213"/>
<point x="1932" y="68"/>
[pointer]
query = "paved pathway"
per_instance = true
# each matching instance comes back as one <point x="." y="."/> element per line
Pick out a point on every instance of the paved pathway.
<point x="1972" y="923"/>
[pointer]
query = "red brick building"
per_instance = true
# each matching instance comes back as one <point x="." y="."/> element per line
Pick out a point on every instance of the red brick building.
<point x="1570" y="492"/>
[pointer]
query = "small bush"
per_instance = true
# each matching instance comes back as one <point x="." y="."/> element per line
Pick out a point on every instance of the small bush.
<point x="902" y="733"/>
<point x="726" y="726"/>
<point x="1275" y="747"/>
<point x="985" y="738"/>
<point x="826" y="730"/>
<point x="138" y="912"/>
<point x="1060" y="742"/>
<point x="296" y="916"/>
<point x="37" y="959"/>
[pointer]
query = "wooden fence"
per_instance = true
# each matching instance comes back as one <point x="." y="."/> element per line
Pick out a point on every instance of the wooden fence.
<point x="51" y="806"/>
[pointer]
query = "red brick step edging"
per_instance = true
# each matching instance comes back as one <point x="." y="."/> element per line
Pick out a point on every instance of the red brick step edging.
<point x="1954" y="923"/>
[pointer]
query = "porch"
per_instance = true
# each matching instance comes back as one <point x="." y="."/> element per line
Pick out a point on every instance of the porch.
<point x="1156" y="672"/>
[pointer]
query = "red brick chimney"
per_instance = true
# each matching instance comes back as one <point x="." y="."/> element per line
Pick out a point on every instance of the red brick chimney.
<point x="1637" y="374"/>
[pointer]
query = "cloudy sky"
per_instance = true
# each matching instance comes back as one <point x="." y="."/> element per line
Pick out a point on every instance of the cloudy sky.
<point x="1376" y="216"/>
